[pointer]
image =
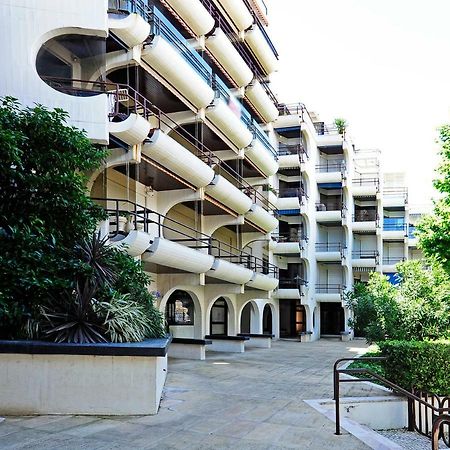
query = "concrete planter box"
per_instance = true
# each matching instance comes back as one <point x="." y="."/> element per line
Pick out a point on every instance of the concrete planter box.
<point x="230" y="344"/>
<point x="88" y="379"/>
<point x="187" y="348"/>
<point x="258" y="340"/>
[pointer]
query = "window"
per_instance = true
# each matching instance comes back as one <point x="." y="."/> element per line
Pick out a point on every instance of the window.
<point x="180" y="309"/>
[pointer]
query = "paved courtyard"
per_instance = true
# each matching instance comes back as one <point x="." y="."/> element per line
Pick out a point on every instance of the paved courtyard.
<point x="241" y="401"/>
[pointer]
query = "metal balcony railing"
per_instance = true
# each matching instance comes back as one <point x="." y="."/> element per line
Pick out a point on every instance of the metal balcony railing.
<point x="412" y="232"/>
<point x="367" y="182"/>
<point x="293" y="149"/>
<point x="323" y="129"/>
<point x="124" y="100"/>
<point x="293" y="192"/>
<point x="396" y="193"/>
<point x="331" y="247"/>
<point x="330" y="288"/>
<point x="391" y="260"/>
<point x="395" y="226"/>
<point x="365" y="215"/>
<point x="330" y="206"/>
<point x="334" y="166"/>
<point x="365" y="254"/>
<point x="292" y="283"/>
<point x="290" y="237"/>
<point x="162" y="226"/>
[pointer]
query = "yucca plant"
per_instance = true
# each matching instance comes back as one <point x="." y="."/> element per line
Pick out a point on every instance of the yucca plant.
<point x="341" y="125"/>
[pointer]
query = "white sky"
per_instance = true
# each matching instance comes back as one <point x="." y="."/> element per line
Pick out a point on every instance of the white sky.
<point x="383" y="65"/>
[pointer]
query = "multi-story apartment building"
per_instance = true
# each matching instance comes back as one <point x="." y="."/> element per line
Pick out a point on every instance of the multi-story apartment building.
<point x="250" y="216"/>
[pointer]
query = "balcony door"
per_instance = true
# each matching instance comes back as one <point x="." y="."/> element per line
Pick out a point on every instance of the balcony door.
<point x="331" y="319"/>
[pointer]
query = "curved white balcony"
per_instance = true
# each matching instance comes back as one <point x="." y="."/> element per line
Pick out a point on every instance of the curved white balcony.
<point x="328" y="256"/>
<point x="233" y="273"/>
<point x="364" y="262"/>
<point x="364" y="226"/>
<point x="172" y="155"/>
<point x="284" y="203"/>
<point x="288" y="294"/>
<point x="288" y="121"/>
<point x="328" y="216"/>
<point x="134" y="243"/>
<point x="194" y="14"/>
<point x="327" y="297"/>
<point x="132" y="29"/>
<point x="259" y="155"/>
<point x="260" y="47"/>
<point x="133" y="130"/>
<point x="262" y="218"/>
<point x="177" y="256"/>
<point x="238" y="13"/>
<point x="289" y="161"/>
<point x="258" y="97"/>
<point x="228" y="194"/>
<point x="263" y="282"/>
<point x="329" y="177"/>
<point x="220" y="114"/>
<point x="164" y="59"/>
<point x="364" y="191"/>
<point x="228" y="57"/>
<point x="287" y="248"/>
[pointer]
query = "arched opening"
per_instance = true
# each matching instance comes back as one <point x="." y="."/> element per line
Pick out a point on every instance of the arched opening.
<point x="219" y="318"/>
<point x="267" y="320"/>
<point x="180" y="314"/>
<point x="332" y="319"/>
<point x="246" y="318"/>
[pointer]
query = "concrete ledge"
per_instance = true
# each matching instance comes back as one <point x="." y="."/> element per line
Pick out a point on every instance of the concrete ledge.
<point x="305" y="336"/>
<point x="231" y="344"/>
<point x="187" y="348"/>
<point x="85" y="379"/>
<point x="258" y="340"/>
<point x="346" y="336"/>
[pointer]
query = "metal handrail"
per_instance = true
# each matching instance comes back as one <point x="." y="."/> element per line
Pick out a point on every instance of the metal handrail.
<point x="292" y="192"/>
<point x="365" y="216"/>
<point x="366" y="182"/>
<point x="330" y="247"/>
<point x="323" y="129"/>
<point x="323" y="288"/>
<point x="125" y="98"/>
<point x="412" y="398"/>
<point x="191" y="237"/>
<point x="365" y="254"/>
<point x="287" y="237"/>
<point x="395" y="226"/>
<point x="393" y="259"/>
<point x="293" y="149"/>
<point x="331" y="167"/>
<point x="330" y="206"/>
<point x="293" y="283"/>
<point x="437" y="431"/>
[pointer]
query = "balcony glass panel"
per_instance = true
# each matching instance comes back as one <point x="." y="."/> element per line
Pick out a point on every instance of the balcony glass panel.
<point x="394" y="224"/>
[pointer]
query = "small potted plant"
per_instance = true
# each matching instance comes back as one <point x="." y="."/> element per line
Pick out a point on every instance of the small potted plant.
<point x="341" y="125"/>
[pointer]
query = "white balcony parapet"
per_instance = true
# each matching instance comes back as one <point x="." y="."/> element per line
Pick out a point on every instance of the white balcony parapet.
<point x="194" y="14"/>
<point x="288" y="161"/>
<point x="288" y="294"/>
<point x="260" y="47"/>
<point x="170" y="65"/>
<point x="285" y="203"/>
<point x="287" y="248"/>
<point x="328" y="216"/>
<point x="221" y="115"/>
<point x="228" y="57"/>
<point x="172" y="155"/>
<point x="329" y="177"/>
<point x="133" y="130"/>
<point x="263" y="282"/>
<point x="364" y="262"/>
<point x="261" y="218"/>
<point x="364" y="225"/>
<point x="134" y="243"/>
<point x="228" y="194"/>
<point x="171" y="254"/>
<point x="238" y="13"/>
<point x="131" y="29"/>
<point x="232" y="273"/>
<point x="262" y="158"/>
<point x="258" y="97"/>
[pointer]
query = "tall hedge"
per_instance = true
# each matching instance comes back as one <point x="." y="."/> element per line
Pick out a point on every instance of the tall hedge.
<point x="423" y="365"/>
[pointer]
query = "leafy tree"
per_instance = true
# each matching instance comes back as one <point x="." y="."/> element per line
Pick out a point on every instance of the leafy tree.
<point x="433" y="230"/>
<point x="58" y="279"/>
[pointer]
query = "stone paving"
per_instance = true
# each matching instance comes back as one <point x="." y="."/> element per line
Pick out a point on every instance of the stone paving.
<point x="241" y="401"/>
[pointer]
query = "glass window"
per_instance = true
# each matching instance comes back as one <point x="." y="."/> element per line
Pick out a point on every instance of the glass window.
<point x="180" y="309"/>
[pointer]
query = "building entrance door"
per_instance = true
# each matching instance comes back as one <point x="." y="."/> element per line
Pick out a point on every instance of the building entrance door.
<point x="292" y="318"/>
<point x="331" y="319"/>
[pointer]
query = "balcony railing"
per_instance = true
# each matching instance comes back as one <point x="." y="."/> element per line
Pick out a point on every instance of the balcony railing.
<point x="395" y="226"/>
<point x="124" y="100"/>
<point x="366" y="182"/>
<point x="332" y="206"/>
<point x="365" y="254"/>
<point x="396" y="193"/>
<point x="293" y="149"/>
<point x="290" y="237"/>
<point x="331" y="247"/>
<point x="412" y="232"/>
<point x="365" y="215"/>
<point x="391" y="260"/>
<point x="331" y="167"/>
<point x="292" y="283"/>
<point x="325" y="129"/>
<point x="330" y="288"/>
<point x="293" y="192"/>
<point x="150" y="221"/>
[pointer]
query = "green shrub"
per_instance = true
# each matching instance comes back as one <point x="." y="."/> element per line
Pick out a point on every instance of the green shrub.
<point x="423" y="365"/>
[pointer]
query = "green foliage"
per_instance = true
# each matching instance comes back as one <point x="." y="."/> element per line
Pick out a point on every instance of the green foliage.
<point x="341" y="125"/>
<point x="375" y="366"/>
<point x="433" y="231"/>
<point x="418" y="309"/>
<point x="421" y="365"/>
<point x="53" y="268"/>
